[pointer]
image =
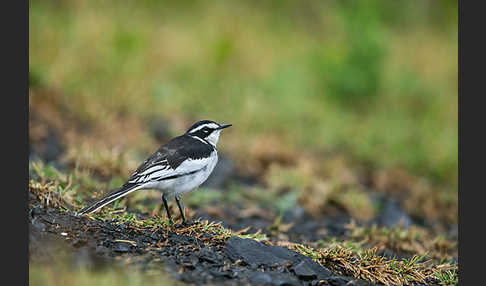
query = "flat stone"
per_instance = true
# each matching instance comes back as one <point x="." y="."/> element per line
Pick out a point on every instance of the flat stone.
<point x="256" y="253"/>
<point x="304" y="271"/>
<point x="206" y="254"/>
<point x="273" y="279"/>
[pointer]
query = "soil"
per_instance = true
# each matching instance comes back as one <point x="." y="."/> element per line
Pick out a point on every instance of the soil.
<point x="191" y="259"/>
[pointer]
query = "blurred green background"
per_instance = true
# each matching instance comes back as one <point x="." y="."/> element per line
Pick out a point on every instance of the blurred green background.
<point x="374" y="81"/>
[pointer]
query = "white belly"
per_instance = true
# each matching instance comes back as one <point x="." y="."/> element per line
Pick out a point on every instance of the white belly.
<point x="187" y="183"/>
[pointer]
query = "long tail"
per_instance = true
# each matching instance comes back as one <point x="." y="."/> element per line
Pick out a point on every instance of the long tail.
<point x="116" y="194"/>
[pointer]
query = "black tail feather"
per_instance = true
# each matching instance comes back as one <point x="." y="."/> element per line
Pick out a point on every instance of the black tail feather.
<point x="112" y="196"/>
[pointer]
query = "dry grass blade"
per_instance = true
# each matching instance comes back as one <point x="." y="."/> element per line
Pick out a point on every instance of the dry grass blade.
<point x="127" y="241"/>
<point x="46" y="194"/>
<point x="368" y="265"/>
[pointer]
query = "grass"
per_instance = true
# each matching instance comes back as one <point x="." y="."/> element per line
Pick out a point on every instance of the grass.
<point x="55" y="188"/>
<point x="412" y="240"/>
<point x="357" y="257"/>
<point x="448" y="277"/>
<point x="155" y="223"/>
<point x="366" y="264"/>
<point x="354" y="260"/>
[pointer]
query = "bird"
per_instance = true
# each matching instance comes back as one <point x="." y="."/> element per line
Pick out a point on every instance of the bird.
<point x="179" y="166"/>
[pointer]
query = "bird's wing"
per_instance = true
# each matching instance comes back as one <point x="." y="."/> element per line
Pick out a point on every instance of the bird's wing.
<point x="178" y="157"/>
<point x="155" y="166"/>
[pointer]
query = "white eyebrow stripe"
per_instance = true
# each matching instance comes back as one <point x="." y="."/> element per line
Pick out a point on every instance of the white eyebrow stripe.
<point x="210" y="125"/>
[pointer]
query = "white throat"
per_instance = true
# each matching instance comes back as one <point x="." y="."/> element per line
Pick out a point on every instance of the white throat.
<point x="213" y="137"/>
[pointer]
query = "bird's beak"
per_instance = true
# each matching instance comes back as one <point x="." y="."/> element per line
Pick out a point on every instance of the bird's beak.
<point x="223" y="126"/>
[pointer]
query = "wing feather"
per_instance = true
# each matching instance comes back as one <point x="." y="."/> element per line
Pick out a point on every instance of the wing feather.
<point x="181" y="155"/>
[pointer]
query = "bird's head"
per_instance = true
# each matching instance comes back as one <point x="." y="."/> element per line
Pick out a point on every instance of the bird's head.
<point x="207" y="130"/>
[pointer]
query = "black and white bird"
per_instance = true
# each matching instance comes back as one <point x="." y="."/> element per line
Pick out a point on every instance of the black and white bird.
<point x="179" y="166"/>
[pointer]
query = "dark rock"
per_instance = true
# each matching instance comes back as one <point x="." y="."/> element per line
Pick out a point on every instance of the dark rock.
<point x="303" y="271"/>
<point x="256" y="253"/>
<point x="393" y="215"/>
<point x="35" y="211"/>
<point x="320" y="271"/>
<point x="189" y="262"/>
<point x="260" y="278"/>
<point x="221" y="173"/>
<point x="338" y="281"/>
<point x="180" y="239"/>
<point x="156" y="236"/>
<point x="273" y="279"/>
<point x="221" y="274"/>
<point x="210" y="256"/>
<point x="49" y="219"/>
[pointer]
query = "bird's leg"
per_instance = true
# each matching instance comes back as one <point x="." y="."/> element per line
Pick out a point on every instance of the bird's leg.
<point x="167" y="209"/>
<point x="181" y="209"/>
